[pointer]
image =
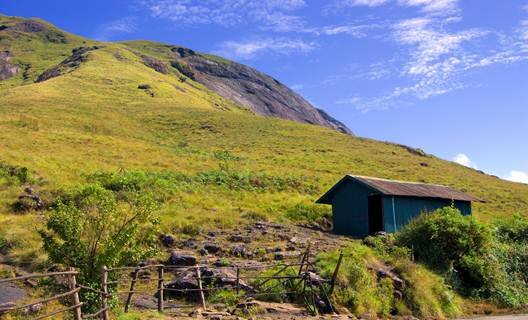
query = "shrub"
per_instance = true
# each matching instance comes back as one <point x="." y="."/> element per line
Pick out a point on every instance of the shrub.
<point x="472" y="258"/>
<point x="357" y="286"/>
<point x="278" y="290"/>
<point x="227" y="297"/>
<point x="92" y="228"/>
<point x="308" y="212"/>
<point x="15" y="174"/>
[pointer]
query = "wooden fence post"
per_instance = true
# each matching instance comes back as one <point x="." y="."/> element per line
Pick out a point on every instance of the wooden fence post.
<point x="336" y="271"/>
<point x="160" y="288"/>
<point x="202" y="297"/>
<point x="104" y="294"/>
<point x="131" y="290"/>
<point x="238" y="280"/>
<point x="76" y="301"/>
<point x="304" y="259"/>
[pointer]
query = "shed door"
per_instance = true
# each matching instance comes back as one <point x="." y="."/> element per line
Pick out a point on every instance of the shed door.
<point x="375" y="213"/>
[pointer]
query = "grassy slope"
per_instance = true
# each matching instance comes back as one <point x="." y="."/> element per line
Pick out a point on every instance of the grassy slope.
<point x="96" y="118"/>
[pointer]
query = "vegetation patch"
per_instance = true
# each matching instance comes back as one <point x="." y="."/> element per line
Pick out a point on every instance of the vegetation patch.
<point x="478" y="260"/>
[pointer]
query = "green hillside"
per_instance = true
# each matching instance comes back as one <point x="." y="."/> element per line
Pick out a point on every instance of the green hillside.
<point x="220" y="163"/>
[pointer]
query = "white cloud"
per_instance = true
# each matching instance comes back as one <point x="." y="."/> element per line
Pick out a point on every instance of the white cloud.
<point x="123" y="25"/>
<point x="297" y="87"/>
<point x="464" y="160"/>
<point x="443" y="7"/>
<point x="250" y="49"/>
<point x="357" y="31"/>
<point x="369" y="3"/>
<point x="518" y="176"/>
<point x="272" y="14"/>
<point x="433" y="7"/>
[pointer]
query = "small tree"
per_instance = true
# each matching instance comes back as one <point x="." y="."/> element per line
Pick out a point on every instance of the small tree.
<point x="93" y="227"/>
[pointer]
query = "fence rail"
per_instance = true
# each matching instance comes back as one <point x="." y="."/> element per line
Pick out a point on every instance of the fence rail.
<point x="73" y="293"/>
<point x="298" y="283"/>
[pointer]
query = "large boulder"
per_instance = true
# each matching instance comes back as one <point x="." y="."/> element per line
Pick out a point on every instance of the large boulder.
<point x="178" y="258"/>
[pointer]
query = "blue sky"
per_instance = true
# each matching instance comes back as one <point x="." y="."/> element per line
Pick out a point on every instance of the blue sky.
<point x="447" y="76"/>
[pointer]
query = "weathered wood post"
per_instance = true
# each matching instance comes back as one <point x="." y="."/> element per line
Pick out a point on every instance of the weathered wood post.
<point x="336" y="271"/>
<point x="238" y="280"/>
<point x="304" y="259"/>
<point x="200" y="287"/>
<point x="76" y="301"/>
<point x="104" y="294"/>
<point x="131" y="290"/>
<point x="160" y="288"/>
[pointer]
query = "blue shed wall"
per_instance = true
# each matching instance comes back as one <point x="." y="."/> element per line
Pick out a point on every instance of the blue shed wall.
<point x="404" y="209"/>
<point x="350" y="210"/>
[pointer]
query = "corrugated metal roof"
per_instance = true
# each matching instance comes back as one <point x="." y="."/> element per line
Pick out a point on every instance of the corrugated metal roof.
<point x="403" y="188"/>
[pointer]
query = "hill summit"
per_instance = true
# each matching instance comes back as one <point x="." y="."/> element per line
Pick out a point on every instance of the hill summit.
<point x="238" y="83"/>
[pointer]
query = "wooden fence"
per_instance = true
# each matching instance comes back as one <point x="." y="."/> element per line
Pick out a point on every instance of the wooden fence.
<point x="73" y="293"/>
<point x="300" y="285"/>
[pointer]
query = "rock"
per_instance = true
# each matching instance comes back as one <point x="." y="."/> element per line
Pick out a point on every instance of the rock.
<point x="185" y="280"/>
<point x="240" y="238"/>
<point x="79" y="55"/>
<point x="29" y="26"/>
<point x="11" y="293"/>
<point x="181" y="259"/>
<point x="314" y="278"/>
<point x="144" y="86"/>
<point x="34" y="308"/>
<point x="7" y="70"/>
<point x="189" y="244"/>
<point x="183" y="52"/>
<point x="279" y="256"/>
<point x="260" y="93"/>
<point x="212" y="248"/>
<point x="155" y="64"/>
<point x="203" y="252"/>
<point x="241" y="251"/>
<point x="167" y="240"/>
<point x="223" y="277"/>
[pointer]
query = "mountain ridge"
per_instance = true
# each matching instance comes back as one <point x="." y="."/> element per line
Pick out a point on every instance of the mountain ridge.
<point x="248" y="87"/>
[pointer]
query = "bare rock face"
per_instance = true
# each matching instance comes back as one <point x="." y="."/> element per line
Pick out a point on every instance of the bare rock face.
<point x="246" y="86"/>
<point x="79" y="55"/>
<point x="7" y="70"/>
<point x="155" y="64"/>
<point x="29" y="26"/>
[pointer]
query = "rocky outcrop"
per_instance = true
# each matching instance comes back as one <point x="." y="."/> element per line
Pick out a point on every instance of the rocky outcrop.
<point x="155" y="64"/>
<point x="246" y="86"/>
<point x="7" y="70"/>
<point x="79" y="55"/>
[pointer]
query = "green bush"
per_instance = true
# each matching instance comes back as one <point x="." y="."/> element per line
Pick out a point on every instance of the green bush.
<point x="361" y="290"/>
<point x="473" y="258"/>
<point x="358" y="287"/>
<point x="308" y="212"/>
<point x="91" y="228"/>
<point x="227" y="297"/>
<point x="278" y="290"/>
<point x="15" y="174"/>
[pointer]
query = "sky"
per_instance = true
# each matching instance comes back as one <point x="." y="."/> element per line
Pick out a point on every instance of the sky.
<point x="447" y="76"/>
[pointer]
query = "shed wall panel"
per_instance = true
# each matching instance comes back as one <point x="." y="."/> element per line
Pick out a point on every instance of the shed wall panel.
<point x="350" y="210"/>
<point x="404" y="209"/>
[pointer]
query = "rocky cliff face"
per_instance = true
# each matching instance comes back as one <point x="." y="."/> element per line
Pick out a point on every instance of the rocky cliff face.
<point x="257" y="91"/>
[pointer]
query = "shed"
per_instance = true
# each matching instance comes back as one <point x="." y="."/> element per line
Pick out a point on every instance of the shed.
<point x="366" y="205"/>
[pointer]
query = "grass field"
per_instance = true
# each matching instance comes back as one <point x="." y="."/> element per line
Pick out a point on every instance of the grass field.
<point x="238" y="165"/>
